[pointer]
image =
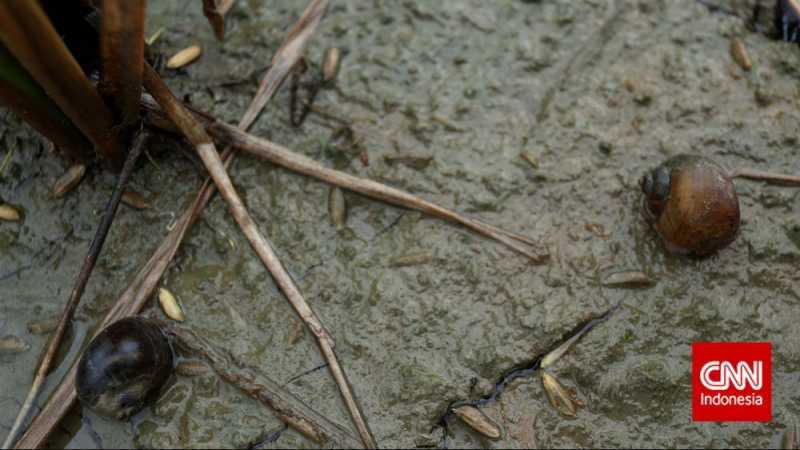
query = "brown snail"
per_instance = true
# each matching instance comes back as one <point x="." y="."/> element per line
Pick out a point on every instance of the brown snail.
<point x="691" y="203"/>
<point x="124" y="367"/>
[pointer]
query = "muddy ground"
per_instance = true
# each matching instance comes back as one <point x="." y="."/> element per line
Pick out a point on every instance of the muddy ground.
<point x="597" y="92"/>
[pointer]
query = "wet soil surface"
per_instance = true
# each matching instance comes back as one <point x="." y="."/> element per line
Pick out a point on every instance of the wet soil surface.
<point x="443" y="98"/>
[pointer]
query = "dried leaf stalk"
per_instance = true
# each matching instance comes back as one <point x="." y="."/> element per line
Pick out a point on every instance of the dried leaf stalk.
<point x="122" y="53"/>
<point x="197" y="135"/>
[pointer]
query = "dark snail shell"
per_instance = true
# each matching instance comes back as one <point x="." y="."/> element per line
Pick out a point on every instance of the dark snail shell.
<point x="691" y="203"/>
<point x="124" y="367"/>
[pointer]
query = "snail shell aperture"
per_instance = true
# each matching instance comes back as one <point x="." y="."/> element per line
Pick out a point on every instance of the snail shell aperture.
<point x="691" y="203"/>
<point x="124" y="367"/>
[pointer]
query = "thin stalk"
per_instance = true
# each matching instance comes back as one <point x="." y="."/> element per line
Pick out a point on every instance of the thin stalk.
<point x="20" y="93"/>
<point x="30" y="37"/>
<point x="202" y="142"/>
<point x="80" y="285"/>
<point x="282" y="156"/>
<point x="769" y="177"/>
<point x="215" y="11"/>
<point x="122" y="53"/>
<point x="289" y="408"/>
<point x="135" y="296"/>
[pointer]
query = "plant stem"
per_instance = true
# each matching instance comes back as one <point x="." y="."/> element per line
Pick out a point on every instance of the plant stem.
<point x="133" y="299"/>
<point x="774" y="178"/>
<point x="197" y="135"/>
<point x="295" y="162"/>
<point x="122" y="53"/>
<point x="215" y="11"/>
<point x="289" y="408"/>
<point x="28" y="34"/>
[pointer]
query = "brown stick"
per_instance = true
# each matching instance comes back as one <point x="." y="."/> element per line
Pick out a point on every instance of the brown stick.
<point x="141" y="288"/>
<point x="197" y="135"/>
<point x="122" y="53"/>
<point x="773" y="178"/>
<point x="28" y="34"/>
<point x="289" y="408"/>
<point x="215" y="11"/>
<point x="295" y="162"/>
<point x="80" y="284"/>
<point x="22" y="95"/>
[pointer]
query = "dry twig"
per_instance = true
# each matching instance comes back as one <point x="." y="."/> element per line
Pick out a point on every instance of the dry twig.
<point x="50" y="63"/>
<point x="289" y="408"/>
<point x="215" y="11"/>
<point x="122" y="53"/>
<point x="141" y="288"/>
<point x="295" y="162"/>
<point x="768" y="177"/>
<point x="202" y="142"/>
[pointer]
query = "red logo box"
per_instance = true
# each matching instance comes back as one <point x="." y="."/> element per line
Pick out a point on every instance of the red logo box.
<point x="732" y="381"/>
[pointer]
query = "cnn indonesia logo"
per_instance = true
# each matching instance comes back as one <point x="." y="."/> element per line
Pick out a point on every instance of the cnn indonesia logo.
<point x="732" y="382"/>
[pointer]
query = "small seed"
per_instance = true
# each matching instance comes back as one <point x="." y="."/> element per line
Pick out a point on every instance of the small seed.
<point x="296" y="332"/>
<point x="9" y="213"/>
<point x="330" y="64"/>
<point x="631" y="278"/>
<point x="413" y="259"/>
<point x="597" y="230"/>
<point x="531" y="158"/>
<point x="337" y="208"/>
<point x="447" y="123"/>
<point x="134" y="200"/>
<point x="170" y="306"/>
<point x="740" y="55"/>
<point x="71" y="178"/>
<point x="154" y="37"/>
<point x="184" y="57"/>
<point x="478" y="421"/>
<point x="561" y="400"/>
<point x="44" y="326"/>
<point x="10" y="345"/>
<point x="191" y="369"/>
<point x="418" y="162"/>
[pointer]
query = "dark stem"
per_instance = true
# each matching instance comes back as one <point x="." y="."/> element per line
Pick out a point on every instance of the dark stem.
<point x="773" y="178"/>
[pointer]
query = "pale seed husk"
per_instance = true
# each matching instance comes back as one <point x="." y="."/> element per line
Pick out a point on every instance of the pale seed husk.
<point x="330" y="64"/>
<point x="9" y="213"/>
<point x="413" y="259"/>
<point x="71" y="179"/>
<point x="740" y="55"/>
<point x="11" y="344"/>
<point x="43" y="326"/>
<point x="530" y="158"/>
<point x="478" y="421"/>
<point x="184" y="57"/>
<point x="337" y="208"/>
<point x="630" y="278"/>
<point x="559" y="397"/>
<point x="191" y="369"/>
<point x="135" y="200"/>
<point x="169" y="304"/>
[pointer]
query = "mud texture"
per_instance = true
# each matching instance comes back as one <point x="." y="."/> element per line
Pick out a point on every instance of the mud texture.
<point x="444" y="96"/>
